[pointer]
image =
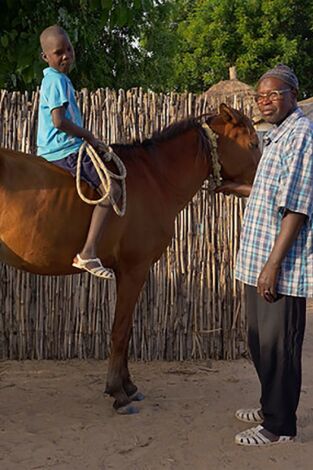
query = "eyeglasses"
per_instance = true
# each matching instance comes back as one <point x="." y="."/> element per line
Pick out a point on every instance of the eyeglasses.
<point x="273" y="95"/>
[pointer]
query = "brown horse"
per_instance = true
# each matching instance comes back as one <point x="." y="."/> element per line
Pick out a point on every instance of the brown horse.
<point x="43" y="222"/>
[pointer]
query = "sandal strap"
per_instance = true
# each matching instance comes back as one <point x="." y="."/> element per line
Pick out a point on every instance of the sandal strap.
<point x="250" y="415"/>
<point x="254" y="437"/>
<point x="99" y="271"/>
<point x="104" y="273"/>
<point x="90" y="260"/>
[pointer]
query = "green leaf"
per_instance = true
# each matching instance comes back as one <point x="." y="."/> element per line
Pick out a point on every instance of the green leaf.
<point x="4" y="40"/>
<point x="95" y="4"/>
<point x="11" y="3"/>
<point x="13" y="34"/>
<point x="106" y="4"/>
<point x="121" y="16"/>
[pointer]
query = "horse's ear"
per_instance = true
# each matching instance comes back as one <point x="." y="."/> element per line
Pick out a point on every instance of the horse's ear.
<point x="229" y="114"/>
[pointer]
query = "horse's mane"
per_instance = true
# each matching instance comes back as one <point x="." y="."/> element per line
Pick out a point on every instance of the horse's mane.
<point x="170" y="132"/>
<point x="126" y="150"/>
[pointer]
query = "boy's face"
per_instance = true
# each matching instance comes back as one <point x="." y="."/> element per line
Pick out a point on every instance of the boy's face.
<point x="58" y="52"/>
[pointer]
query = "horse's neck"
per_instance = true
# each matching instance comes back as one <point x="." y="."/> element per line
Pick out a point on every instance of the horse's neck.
<point x="183" y="167"/>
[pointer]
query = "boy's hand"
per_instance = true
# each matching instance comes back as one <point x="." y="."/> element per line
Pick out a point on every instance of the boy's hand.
<point x="94" y="142"/>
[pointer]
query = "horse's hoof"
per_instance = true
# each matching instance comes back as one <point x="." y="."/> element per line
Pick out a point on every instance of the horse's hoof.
<point x="127" y="410"/>
<point x="137" y="396"/>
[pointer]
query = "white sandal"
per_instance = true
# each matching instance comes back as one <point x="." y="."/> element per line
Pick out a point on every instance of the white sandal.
<point x="254" y="437"/>
<point x="99" y="271"/>
<point x="252" y="415"/>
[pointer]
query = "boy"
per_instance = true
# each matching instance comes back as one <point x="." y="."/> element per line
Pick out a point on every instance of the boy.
<point x="60" y="134"/>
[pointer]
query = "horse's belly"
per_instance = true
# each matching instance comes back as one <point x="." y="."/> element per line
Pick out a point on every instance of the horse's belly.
<point x="36" y="262"/>
<point x="41" y="239"/>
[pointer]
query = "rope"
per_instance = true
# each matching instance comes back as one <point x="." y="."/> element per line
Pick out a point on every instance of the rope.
<point x="215" y="178"/>
<point x="104" y="174"/>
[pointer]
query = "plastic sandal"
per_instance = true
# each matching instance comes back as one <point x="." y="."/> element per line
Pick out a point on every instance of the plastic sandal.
<point x="99" y="271"/>
<point x="254" y="437"/>
<point x="252" y="415"/>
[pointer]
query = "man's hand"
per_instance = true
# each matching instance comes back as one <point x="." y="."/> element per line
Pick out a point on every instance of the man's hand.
<point x="267" y="282"/>
<point x="290" y="228"/>
<point x="238" y="189"/>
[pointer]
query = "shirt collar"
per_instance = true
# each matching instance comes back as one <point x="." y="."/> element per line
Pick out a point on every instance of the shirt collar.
<point x="50" y="70"/>
<point x="276" y="132"/>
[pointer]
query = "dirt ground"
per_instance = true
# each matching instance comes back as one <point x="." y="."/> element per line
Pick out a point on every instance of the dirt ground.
<point x="53" y="415"/>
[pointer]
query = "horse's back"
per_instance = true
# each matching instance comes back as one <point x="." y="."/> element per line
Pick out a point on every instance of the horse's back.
<point x="42" y="219"/>
<point x="36" y="170"/>
<point x="44" y="223"/>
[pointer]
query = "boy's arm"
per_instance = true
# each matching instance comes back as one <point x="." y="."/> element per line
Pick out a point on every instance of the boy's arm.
<point x="63" y="124"/>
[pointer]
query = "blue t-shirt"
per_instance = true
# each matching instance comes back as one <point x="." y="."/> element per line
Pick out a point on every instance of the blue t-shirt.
<point x="56" y="90"/>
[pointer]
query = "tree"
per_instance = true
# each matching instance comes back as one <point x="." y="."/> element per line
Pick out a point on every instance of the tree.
<point x="159" y="44"/>
<point x="108" y="37"/>
<point x="251" y="34"/>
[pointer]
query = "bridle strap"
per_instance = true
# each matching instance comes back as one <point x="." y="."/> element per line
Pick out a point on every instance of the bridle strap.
<point x="215" y="178"/>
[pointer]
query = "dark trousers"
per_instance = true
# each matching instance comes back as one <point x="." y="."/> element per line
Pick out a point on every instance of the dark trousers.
<point x="275" y="337"/>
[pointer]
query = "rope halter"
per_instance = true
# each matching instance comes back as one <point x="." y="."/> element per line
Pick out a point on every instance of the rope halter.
<point x="215" y="178"/>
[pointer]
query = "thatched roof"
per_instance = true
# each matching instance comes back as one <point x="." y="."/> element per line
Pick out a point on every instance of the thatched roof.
<point x="233" y="86"/>
<point x="232" y="92"/>
<point x="307" y="107"/>
<point x="230" y="87"/>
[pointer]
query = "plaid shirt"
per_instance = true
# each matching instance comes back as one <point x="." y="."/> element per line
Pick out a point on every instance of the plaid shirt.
<point x="284" y="180"/>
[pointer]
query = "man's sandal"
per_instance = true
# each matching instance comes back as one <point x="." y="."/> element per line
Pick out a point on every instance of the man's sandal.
<point x="255" y="437"/>
<point x="99" y="270"/>
<point x="252" y="415"/>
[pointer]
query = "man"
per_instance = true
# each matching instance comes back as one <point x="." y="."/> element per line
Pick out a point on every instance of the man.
<point x="275" y="259"/>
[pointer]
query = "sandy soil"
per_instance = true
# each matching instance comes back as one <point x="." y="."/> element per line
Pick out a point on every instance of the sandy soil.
<point x="53" y="415"/>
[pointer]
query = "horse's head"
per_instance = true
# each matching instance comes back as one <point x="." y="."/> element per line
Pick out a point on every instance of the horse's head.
<point x="238" y="148"/>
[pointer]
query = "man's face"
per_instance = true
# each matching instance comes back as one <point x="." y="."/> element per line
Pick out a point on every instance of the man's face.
<point x="59" y="53"/>
<point x="275" y="107"/>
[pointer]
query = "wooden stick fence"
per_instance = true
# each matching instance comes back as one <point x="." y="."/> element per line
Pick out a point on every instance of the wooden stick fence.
<point x="191" y="306"/>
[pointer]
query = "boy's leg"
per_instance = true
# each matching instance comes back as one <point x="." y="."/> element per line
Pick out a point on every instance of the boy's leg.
<point x="97" y="226"/>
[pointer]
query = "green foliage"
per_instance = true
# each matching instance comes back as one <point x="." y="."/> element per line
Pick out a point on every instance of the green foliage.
<point x="251" y="34"/>
<point x="159" y="44"/>
<point x="106" y="36"/>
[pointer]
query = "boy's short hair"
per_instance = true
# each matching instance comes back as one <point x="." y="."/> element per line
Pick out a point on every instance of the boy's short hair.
<point x="49" y="32"/>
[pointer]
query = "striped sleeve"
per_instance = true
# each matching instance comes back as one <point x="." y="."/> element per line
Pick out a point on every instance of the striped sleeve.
<point x="296" y="183"/>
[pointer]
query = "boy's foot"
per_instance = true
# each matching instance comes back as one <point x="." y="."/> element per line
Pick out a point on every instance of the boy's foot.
<point x="260" y="437"/>
<point x="93" y="266"/>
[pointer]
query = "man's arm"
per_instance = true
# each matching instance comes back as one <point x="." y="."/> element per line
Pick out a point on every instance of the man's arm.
<point x="290" y="228"/>
<point x="229" y="187"/>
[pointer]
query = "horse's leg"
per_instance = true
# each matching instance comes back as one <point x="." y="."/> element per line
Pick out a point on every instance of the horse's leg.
<point x="129" y="285"/>
<point x="129" y="386"/>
